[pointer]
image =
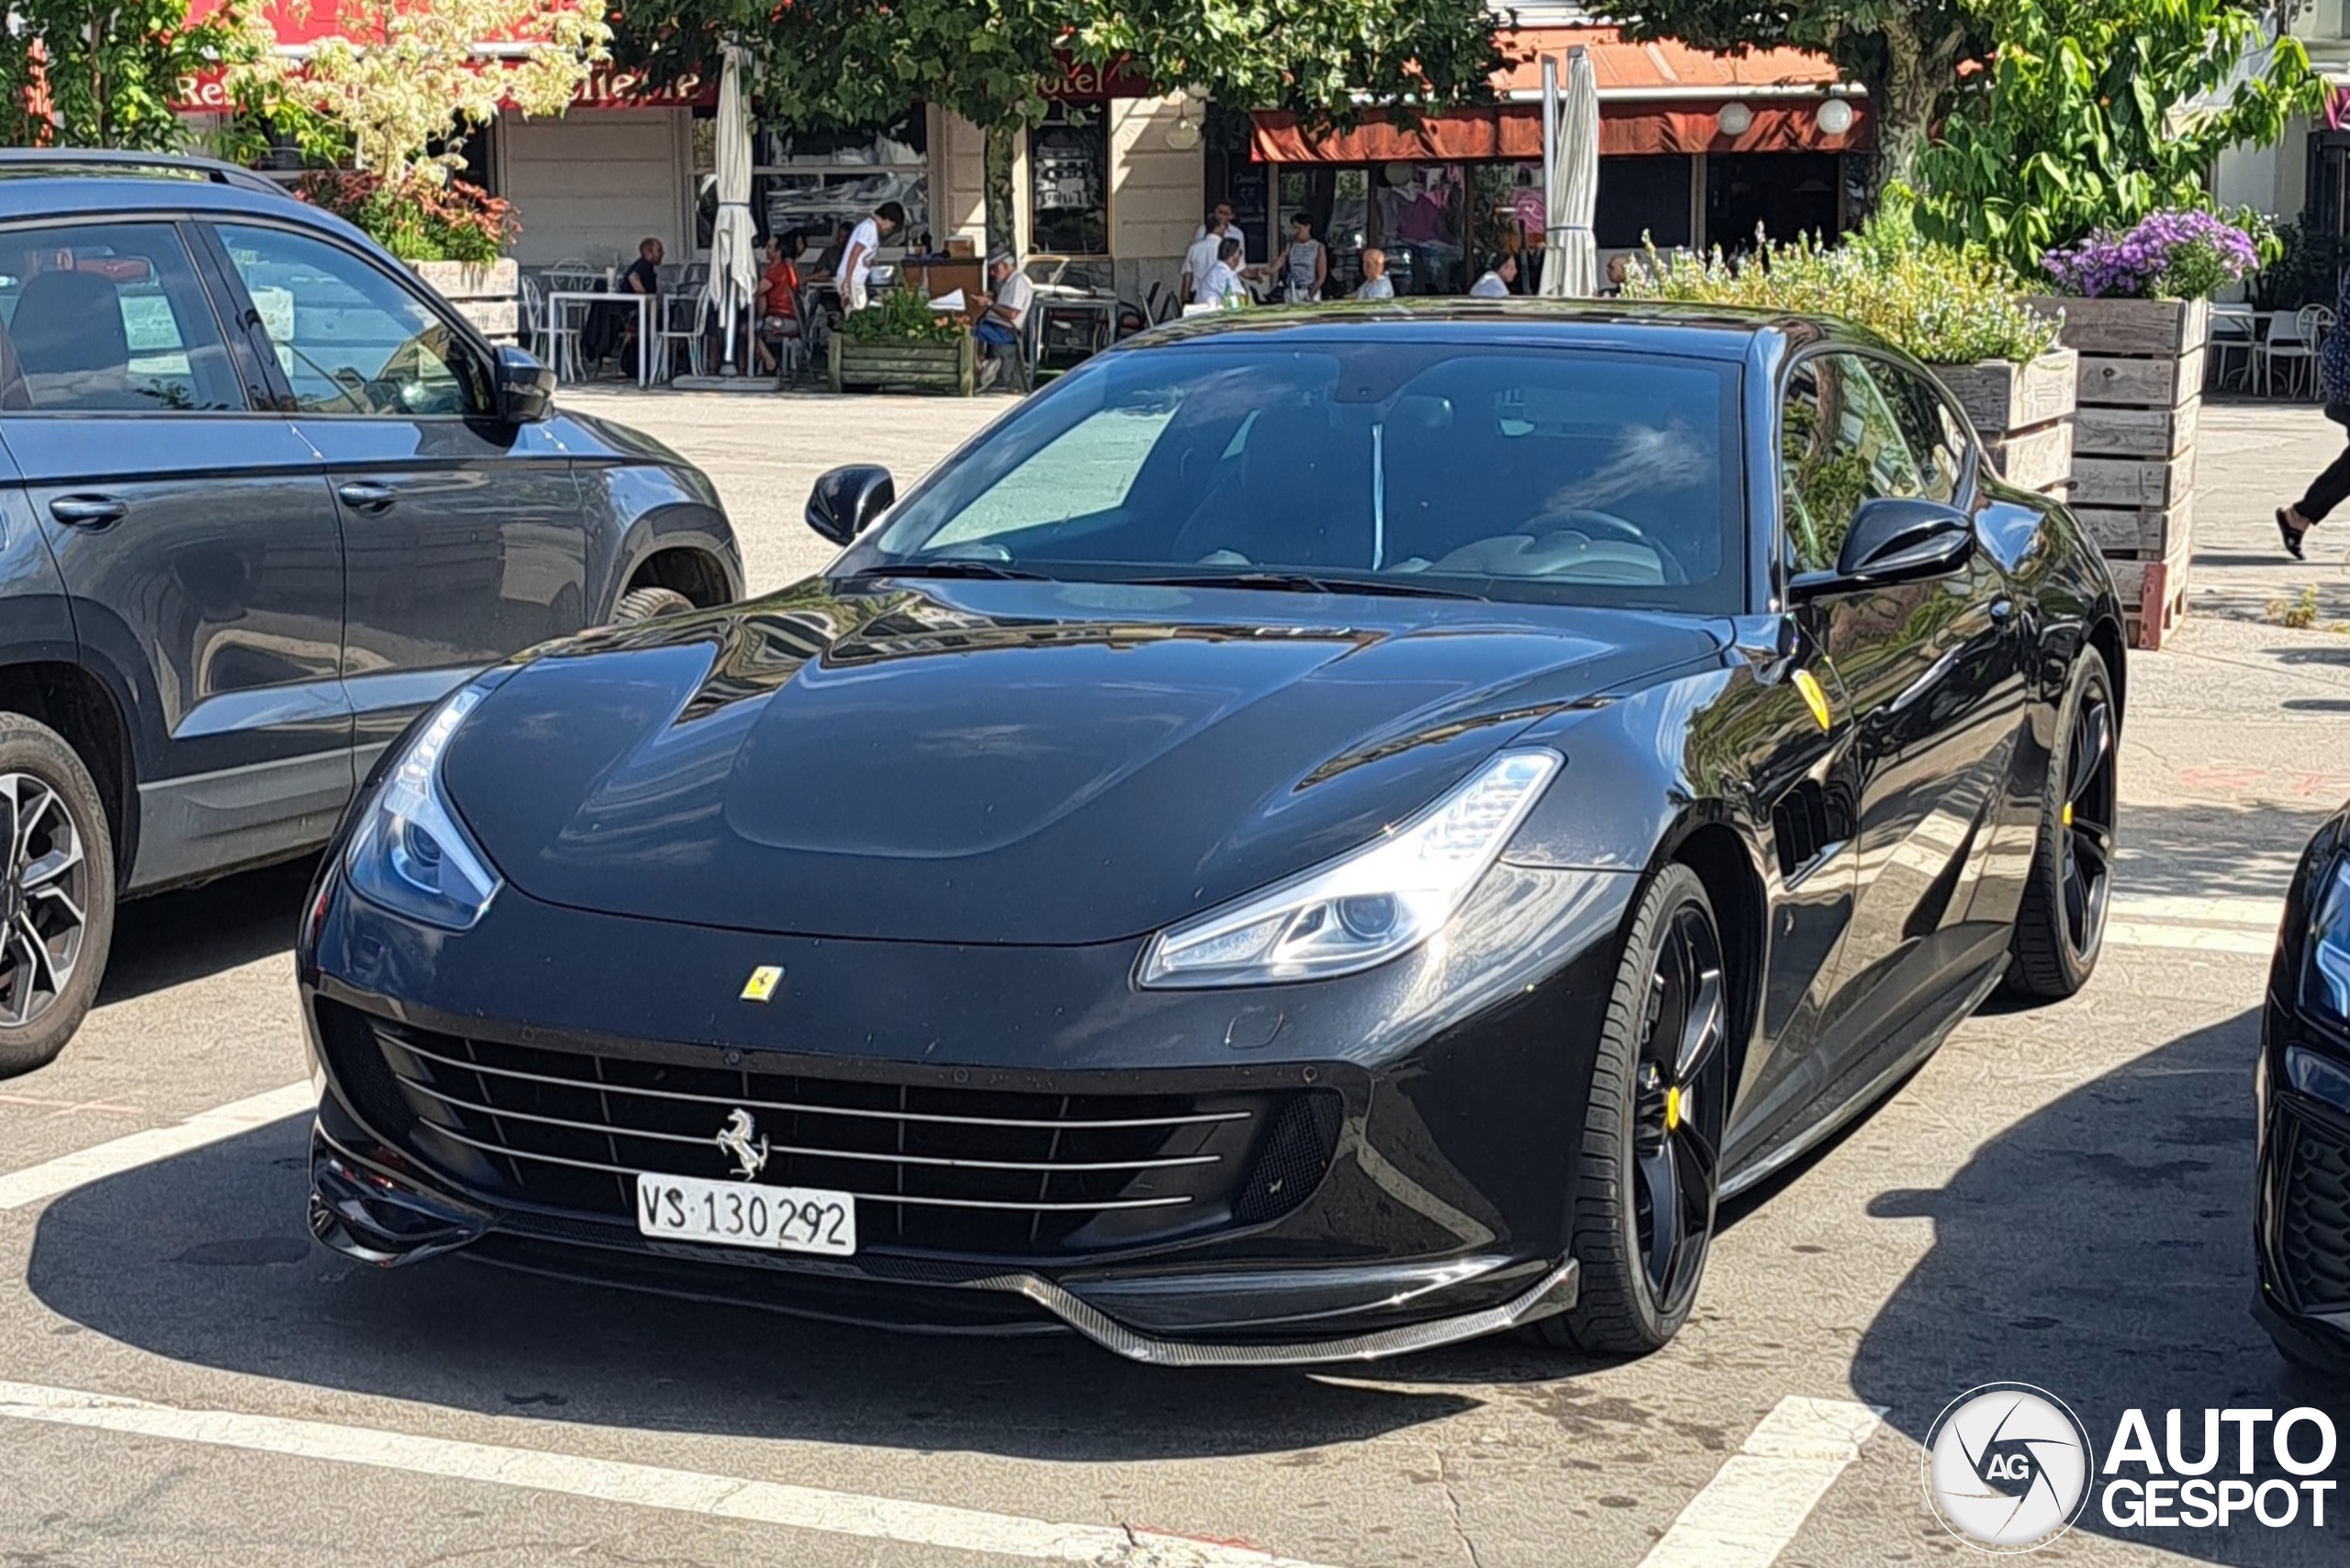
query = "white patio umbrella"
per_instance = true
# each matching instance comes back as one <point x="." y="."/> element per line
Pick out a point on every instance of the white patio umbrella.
<point x="1570" y="254"/>
<point x="731" y="273"/>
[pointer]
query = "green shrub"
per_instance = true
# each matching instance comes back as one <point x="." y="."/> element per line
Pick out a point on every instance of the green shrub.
<point x="902" y="315"/>
<point x="1945" y="305"/>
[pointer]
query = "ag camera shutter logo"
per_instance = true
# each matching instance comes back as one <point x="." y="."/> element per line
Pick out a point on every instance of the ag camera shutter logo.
<point x="2008" y="1467"/>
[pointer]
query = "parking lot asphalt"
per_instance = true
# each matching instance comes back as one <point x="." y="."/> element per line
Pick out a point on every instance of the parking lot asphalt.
<point x="2061" y="1196"/>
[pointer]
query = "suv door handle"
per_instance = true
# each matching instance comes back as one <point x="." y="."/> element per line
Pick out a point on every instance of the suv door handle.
<point x="88" y="511"/>
<point x="360" y="495"/>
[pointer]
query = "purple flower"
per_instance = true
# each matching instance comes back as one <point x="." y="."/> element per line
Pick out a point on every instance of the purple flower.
<point x="2183" y="252"/>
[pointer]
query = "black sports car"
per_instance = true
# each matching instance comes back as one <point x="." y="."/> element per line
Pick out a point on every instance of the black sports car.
<point x="1320" y="835"/>
<point x="2301" y="1224"/>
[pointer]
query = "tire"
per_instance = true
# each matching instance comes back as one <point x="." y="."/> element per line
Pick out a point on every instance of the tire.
<point x="57" y="893"/>
<point x="2060" y="927"/>
<point x="644" y="603"/>
<point x="1645" y="1123"/>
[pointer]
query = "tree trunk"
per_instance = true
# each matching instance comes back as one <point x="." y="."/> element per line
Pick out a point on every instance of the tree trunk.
<point x="1002" y="143"/>
<point x="1903" y="103"/>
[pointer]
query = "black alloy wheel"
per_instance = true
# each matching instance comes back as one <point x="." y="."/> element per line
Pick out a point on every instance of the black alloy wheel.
<point x="2060" y="927"/>
<point x="56" y="893"/>
<point x="1650" y="1156"/>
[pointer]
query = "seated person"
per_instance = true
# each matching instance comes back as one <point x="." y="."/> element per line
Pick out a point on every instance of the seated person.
<point x="998" y="327"/>
<point x="775" y="303"/>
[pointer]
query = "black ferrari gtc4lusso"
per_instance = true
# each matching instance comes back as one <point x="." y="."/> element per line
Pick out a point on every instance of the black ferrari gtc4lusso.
<point x="1321" y="833"/>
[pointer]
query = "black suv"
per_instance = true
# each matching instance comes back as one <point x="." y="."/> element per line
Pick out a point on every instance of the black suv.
<point x="262" y="499"/>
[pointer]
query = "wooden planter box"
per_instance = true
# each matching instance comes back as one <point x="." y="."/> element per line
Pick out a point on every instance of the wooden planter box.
<point x="935" y="368"/>
<point x="2139" y="393"/>
<point x="2024" y="414"/>
<point x="482" y="292"/>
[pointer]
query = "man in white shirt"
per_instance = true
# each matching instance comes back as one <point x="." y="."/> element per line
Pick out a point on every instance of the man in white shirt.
<point x="857" y="257"/>
<point x="1376" y="284"/>
<point x="1202" y="254"/>
<point x="1221" y="288"/>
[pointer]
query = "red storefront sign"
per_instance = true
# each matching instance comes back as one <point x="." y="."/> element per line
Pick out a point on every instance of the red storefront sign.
<point x="297" y="26"/>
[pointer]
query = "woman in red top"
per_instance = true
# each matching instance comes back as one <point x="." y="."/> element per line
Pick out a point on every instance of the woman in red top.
<point x="776" y="304"/>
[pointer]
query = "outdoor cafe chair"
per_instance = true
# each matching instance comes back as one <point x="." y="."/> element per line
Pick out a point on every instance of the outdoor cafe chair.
<point x="2235" y="330"/>
<point x="2294" y="344"/>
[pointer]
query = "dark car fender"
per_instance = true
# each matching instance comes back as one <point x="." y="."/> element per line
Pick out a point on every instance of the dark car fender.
<point x="639" y="499"/>
<point x="1657" y="775"/>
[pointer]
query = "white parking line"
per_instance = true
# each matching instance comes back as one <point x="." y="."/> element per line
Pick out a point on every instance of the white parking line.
<point x="641" y="1486"/>
<point x="1754" y="1505"/>
<point x="68" y="1171"/>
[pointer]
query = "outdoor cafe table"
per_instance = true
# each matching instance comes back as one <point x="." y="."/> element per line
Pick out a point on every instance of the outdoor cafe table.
<point x="645" y="305"/>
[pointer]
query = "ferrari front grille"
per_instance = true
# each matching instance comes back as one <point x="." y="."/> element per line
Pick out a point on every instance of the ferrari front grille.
<point x="972" y="1173"/>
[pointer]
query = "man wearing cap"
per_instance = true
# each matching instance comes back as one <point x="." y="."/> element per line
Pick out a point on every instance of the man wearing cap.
<point x="999" y="325"/>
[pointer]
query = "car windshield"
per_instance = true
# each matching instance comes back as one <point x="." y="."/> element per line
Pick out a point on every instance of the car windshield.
<point x="1571" y="476"/>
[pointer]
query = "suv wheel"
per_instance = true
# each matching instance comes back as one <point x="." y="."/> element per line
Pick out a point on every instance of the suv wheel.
<point x="644" y="603"/>
<point x="57" y="893"/>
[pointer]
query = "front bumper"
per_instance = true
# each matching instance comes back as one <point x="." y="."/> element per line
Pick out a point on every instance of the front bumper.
<point x="1436" y="1211"/>
<point x="2302" y="1223"/>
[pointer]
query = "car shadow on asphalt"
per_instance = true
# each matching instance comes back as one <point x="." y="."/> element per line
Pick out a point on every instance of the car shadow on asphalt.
<point x="173" y="938"/>
<point x="2101" y="1249"/>
<point x="204" y="1259"/>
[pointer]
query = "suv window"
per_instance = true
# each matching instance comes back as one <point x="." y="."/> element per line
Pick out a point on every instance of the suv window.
<point x="107" y="317"/>
<point x="349" y="338"/>
<point x="1839" y="445"/>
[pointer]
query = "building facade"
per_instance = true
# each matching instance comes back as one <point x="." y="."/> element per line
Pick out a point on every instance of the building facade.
<point x="1697" y="148"/>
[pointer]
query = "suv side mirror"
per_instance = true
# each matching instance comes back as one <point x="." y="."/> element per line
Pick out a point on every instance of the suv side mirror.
<point x="846" y="500"/>
<point x="1896" y="540"/>
<point x="524" y="387"/>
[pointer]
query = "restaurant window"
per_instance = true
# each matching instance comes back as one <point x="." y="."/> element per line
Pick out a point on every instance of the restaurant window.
<point x="1338" y="200"/>
<point x="2328" y="205"/>
<point x="817" y="182"/>
<point x="1783" y="193"/>
<point x="1417" y="215"/>
<point x="1507" y="219"/>
<point x="1646" y="196"/>
<point x="1068" y="180"/>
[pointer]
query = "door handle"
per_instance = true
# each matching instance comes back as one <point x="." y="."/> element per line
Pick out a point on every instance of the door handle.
<point x="360" y="495"/>
<point x="88" y="511"/>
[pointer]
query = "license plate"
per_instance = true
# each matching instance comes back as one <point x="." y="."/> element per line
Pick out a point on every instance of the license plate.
<point x="740" y="1213"/>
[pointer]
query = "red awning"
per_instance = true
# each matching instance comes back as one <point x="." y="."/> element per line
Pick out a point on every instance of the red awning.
<point x="1653" y="97"/>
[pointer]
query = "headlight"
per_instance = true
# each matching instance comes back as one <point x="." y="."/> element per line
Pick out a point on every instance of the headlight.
<point x="410" y="855"/>
<point x="2325" y="973"/>
<point x="1366" y="907"/>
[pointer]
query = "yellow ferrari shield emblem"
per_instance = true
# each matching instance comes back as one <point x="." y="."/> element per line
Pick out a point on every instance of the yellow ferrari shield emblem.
<point x="762" y="984"/>
<point x="1814" y="698"/>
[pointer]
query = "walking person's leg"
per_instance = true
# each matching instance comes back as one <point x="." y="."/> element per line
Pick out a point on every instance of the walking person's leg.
<point x="2328" y="490"/>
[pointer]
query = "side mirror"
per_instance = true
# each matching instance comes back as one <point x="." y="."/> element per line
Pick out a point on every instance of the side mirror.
<point x="1896" y="540"/>
<point x="524" y="387"/>
<point x="846" y="500"/>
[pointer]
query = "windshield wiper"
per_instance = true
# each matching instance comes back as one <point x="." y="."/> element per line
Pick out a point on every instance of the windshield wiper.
<point x="1306" y="582"/>
<point x="950" y="567"/>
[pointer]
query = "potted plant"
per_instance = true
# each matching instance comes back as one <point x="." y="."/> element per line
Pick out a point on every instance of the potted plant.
<point x="2135" y="304"/>
<point x="1958" y="309"/>
<point x="899" y="341"/>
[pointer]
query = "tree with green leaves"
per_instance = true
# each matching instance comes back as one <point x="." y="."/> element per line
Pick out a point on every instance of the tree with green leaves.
<point x="2097" y="112"/>
<point x="104" y="72"/>
<point x="1906" y="52"/>
<point x="827" y="63"/>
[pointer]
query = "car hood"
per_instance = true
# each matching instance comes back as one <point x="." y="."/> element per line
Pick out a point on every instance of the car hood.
<point x="1004" y="762"/>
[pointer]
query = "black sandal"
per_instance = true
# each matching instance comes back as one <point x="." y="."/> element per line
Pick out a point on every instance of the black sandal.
<point x="2292" y="539"/>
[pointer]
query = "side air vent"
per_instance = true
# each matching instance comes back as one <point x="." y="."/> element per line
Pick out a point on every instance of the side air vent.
<point x="1809" y="820"/>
